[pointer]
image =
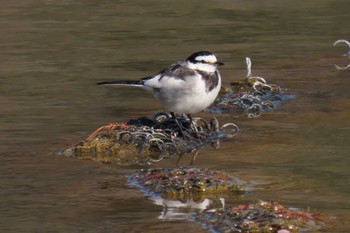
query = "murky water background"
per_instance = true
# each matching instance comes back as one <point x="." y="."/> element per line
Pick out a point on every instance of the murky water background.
<point x="53" y="52"/>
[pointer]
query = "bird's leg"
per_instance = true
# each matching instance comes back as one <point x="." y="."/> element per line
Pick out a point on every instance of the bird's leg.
<point x="178" y="160"/>
<point x="178" y="123"/>
<point x="193" y="124"/>
<point x="194" y="157"/>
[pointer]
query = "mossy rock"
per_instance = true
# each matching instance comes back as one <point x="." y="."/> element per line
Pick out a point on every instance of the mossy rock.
<point x="145" y="140"/>
<point x="188" y="183"/>
<point x="260" y="217"/>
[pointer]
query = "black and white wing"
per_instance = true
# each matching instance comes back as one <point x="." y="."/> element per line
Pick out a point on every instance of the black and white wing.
<point x="174" y="75"/>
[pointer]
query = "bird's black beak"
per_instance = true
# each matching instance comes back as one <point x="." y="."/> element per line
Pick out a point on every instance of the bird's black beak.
<point x="219" y="63"/>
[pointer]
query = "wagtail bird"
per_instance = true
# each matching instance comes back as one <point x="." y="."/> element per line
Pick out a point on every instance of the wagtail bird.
<point x="188" y="86"/>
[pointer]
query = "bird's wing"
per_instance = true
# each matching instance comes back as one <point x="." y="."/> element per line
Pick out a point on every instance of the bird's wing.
<point x="178" y="70"/>
<point x="174" y="75"/>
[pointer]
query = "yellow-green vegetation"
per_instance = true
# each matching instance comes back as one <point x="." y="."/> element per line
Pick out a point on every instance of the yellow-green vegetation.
<point x="188" y="183"/>
<point x="114" y="144"/>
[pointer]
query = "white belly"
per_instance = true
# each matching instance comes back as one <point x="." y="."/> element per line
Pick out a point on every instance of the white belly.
<point x="186" y="97"/>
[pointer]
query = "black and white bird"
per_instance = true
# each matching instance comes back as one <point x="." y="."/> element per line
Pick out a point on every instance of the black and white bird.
<point x="187" y="86"/>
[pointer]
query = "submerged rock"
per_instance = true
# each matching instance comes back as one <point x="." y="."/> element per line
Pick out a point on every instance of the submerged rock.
<point x="259" y="217"/>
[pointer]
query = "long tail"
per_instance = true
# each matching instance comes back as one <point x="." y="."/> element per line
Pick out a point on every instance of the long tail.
<point x="137" y="83"/>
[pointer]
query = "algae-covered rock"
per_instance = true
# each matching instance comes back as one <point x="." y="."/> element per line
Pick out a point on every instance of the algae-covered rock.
<point x="259" y="217"/>
<point x="146" y="140"/>
<point x="187" y="183"/>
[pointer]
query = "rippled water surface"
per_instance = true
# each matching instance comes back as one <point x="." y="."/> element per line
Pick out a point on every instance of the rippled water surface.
<point x="53" y="53"/>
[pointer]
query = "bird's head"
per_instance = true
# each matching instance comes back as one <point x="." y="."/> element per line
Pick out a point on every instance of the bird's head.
<point x="203" y="60"/>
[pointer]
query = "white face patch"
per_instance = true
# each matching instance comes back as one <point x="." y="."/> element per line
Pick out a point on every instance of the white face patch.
<point x="207" y="58"/>
<point x="206" y="67"/>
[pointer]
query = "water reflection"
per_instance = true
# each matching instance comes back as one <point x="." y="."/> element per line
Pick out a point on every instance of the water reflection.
<point x="176" y="209"/>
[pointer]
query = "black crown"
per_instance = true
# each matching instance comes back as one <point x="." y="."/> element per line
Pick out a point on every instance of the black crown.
<point x="192" y="58"/>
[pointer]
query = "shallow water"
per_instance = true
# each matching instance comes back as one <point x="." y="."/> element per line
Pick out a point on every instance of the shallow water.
<point x="53" y="52"/>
